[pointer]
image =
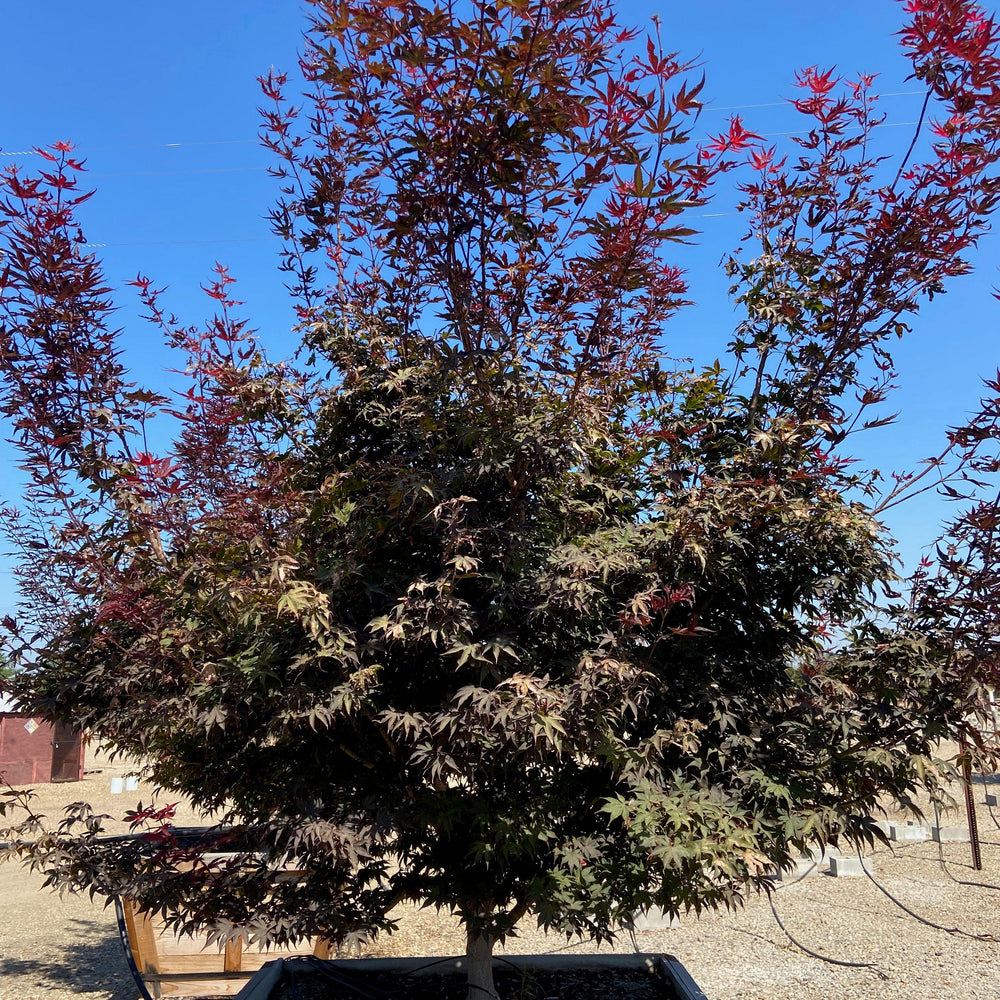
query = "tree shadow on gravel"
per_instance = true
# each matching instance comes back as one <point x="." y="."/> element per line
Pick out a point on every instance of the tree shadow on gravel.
<point x="88" y="959"/>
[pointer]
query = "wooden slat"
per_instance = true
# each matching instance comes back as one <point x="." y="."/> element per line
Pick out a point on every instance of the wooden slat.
<point x="234" y="956"/>
<point x="205" y="966"/>
<point x="142" y="938"/>
<point x="206" y="977"/>
<point x="190" y="989"/>
<point x="205" y="963"/>
<point x="172" y="965"/>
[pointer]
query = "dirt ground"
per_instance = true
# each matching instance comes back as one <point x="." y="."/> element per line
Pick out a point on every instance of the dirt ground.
<point x="53" y="947"/>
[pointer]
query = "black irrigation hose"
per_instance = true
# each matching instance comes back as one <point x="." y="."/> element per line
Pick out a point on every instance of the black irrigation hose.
<point x="349" y="980"/>
<point x="127" y="947"/>
<point x="990" y="807"/>
<point x="521" y="970"/>
<point x="455" y="958"/>
<point x="808" y="951"/>
<point x="882" y="889"/>
<point x="816" y="954"/>
<point x="430" y="965"/>
<point x="944" y="864"/>
<point x="961" y="881"/>
<point x="795" y="881"/>
<point x="916" y="916"/>
<point x="507" y="961"/>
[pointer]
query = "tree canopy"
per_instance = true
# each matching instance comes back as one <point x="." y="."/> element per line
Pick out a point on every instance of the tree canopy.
<point x="483" y="600"/>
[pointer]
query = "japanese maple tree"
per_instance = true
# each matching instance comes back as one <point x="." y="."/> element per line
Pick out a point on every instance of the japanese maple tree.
<point x="485" y="601"/>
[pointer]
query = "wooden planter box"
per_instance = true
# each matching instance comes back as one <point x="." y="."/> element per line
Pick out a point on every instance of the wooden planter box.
<point x="166" y="965"/>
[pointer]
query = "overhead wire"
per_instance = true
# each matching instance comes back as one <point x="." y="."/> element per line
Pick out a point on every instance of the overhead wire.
<point x="706" y="109"/>
<point x="263" y="168"/>
<point x="181" y="243"/>
<point x="144" y="145"/>
<point x="224" y="170"/>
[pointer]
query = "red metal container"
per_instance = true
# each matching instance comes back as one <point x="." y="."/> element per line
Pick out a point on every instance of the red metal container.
<point x="33" y="752"/>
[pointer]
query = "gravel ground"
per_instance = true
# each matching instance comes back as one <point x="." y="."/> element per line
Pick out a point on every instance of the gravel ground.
<point x="54" y="947"/>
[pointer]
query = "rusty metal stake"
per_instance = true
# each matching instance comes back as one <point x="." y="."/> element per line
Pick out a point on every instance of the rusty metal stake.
<point x="970" y="808"/>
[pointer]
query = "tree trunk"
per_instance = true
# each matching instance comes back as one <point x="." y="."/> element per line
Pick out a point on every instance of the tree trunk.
<point x="479" y="964"/>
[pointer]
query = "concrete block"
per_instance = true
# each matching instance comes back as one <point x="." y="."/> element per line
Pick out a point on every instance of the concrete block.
<point x="653" y="919"/>
<point x="908" y="832"/>
<point x="799" y="868"/>
<point x="822" y="855"/>
<point x="848" y="867"/>
<point x="949" y="834"/>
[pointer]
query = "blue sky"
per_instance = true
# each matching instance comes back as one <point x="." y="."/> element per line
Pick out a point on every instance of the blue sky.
<point x="161" y="101"/>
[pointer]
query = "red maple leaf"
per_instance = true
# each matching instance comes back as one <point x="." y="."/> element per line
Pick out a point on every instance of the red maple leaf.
<point x="736" y="138"/>
<point x="819" y="83"/>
